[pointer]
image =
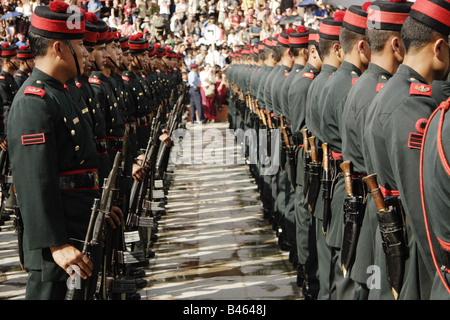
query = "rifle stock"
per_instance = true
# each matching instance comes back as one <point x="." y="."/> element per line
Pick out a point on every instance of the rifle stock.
<point x="93" y="238"/>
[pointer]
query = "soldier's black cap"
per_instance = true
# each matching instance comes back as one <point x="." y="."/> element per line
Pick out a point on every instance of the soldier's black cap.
<point x="58" y="21"/>
<point x="283" y="37"/>
<point x="313" y="37"/>
<point x="388" y="15"/>
<point x="8" y="51"/>
<point x="331" y="26"/>
<point x="124" y="45"/>
<point x="433" y="13"/>
<point x="103" y="30"/>
<point x="137" y="43"/>
<point x="25" y="53"/>
<point x="90" y="34"/>
<point x="355" y="19"/>
<point x="299" y="38"/>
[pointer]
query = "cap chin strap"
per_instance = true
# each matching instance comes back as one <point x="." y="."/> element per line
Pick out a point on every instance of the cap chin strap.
<point x="74" y="57"/>
<point x="139" y="61"/>
<point x="115" y="64"/>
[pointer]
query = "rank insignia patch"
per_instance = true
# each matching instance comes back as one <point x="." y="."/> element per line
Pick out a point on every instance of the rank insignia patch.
<point x="420" y="89"/>
<point x="33" y="90"/>
<point x="29" y="139"/>
<point x="415" y="140"/>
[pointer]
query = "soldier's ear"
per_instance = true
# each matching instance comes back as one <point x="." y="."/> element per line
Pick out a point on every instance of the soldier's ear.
<point x="441" y="54"/>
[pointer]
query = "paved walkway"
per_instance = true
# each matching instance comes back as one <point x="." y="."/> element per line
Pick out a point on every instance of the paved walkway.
<point x="213" y="242"/>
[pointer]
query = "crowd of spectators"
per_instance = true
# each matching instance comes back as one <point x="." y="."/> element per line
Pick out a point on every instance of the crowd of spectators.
<point x="204" y="31"/>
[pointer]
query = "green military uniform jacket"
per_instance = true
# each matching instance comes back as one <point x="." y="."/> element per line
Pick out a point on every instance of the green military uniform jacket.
<point x="394" y="127"/>
<point x="20" y="77"/>
<point x="284" y="95"/>
<point x="48" y="138"/>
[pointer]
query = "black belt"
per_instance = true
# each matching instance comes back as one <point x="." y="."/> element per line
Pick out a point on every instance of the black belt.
<point x="101" y="146"/>
<point x="86" y="179"/>
<point x="115" y="143"/>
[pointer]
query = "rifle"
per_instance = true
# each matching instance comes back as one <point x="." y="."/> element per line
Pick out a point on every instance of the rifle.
<point x="290" y="150"/>
<point x="327" y="181"/>
<point x="306" y="161"/>
<point x="90" y="288"/>
<point x="314" y="174"/>
<point x="354" y="205"/>
<point x="393" y="235"/>
<point x="163" y="152"/>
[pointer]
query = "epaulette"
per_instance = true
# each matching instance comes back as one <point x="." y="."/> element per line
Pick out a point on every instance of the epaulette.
<point x="355" y="77"/>
<point x="95" y="81"/>
<point x="308" y="75"/>
<point x="383" y="80"/>
<point x="17" y="74"/>
<point x="34" y="90"/>
<point x="286" y="73"/>
<point x="124" y="78"/>
<point x="2" y="77"/>
<point x="420" y="89"/>
<point x="78" y="84"/>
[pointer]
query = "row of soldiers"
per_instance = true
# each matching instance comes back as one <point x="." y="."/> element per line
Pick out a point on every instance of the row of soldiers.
<point x="86" y="135"/>
<point x="340" y="116"/>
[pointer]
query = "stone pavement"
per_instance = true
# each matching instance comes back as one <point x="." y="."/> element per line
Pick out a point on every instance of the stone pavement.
<point x="213" y="243"/>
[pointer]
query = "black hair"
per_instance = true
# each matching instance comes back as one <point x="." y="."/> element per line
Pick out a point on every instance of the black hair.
<point x="377" y="38"/>
<point x="326" y="47"/>
<point x="348" y="38"/>
<point x="278" y="52"/>
<point x="416" y="35"/>
<point x="38" y="44"/>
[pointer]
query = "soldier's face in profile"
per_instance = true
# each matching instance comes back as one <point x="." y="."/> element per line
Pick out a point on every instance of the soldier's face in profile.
<point x="119" y="53"/>
<point x="112" y="54"/>
<point x="80" y="54"/>
<point x="90" y="60"/>
<point x="100" y="56"/>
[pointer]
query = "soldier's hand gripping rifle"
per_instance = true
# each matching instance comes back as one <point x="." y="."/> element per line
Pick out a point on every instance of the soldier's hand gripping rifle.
<point x="327" y="181"/>
<point x="306" y="161"/>
<point x="89" y="289"/>
<point x="354" y="206"/>
<point x="393" y="236"/>
<point x="117" y="280"/>
<point x="314" y="174"/>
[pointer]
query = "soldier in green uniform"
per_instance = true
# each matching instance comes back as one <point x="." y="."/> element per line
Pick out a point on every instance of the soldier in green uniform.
<point x="26" y="63"/>
<point x="297" y="95"/>
<point x="281" y="187"/>
<point x="101" y="84"/>
<point x="95" y="45"/>
<point x="8" y="89"/>
<point x="331" y="103"/>
<point x="55" y="135"/>
<point x="384" y="22"/>
<point x="331" y="56"/>
<point x="137" y="49"/>
<point x="300" y="53"/>
<point x="395" y="123"/>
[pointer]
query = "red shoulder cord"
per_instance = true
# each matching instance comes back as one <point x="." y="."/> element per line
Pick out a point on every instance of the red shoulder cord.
<point x="443" y="107"/>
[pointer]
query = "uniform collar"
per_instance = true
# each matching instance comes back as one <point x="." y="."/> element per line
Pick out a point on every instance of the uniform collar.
<point x="328" y="68"/>
<point x="410" y="73"/>
<point x="345" y="65"/>
<point x="49" y="80"/>
<point x="376" y="69"/>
